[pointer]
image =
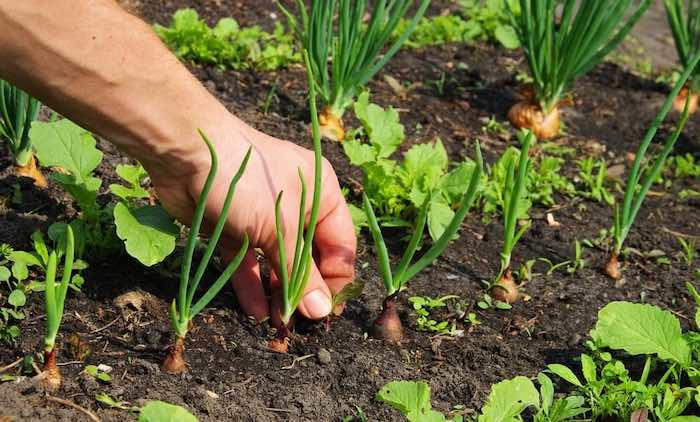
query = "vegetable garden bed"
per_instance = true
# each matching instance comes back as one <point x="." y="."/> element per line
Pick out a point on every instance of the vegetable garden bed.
<point x="454" y="90"/>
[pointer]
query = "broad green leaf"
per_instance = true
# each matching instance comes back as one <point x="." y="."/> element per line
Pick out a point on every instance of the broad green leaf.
<point x="641" y="329"/>
<point x="158" y="411"/>
<point x="506" y="35"/>
<point x="66" y="145"/>
<point x="226" y="28"/>
<point x="5" y="273"/>
<point x="428" y="415"/>
<point x="359" y="218"/>
<point x="134" y="175"/>
<point x="149" y="233"/>
<point x="685" y="419"/>
<point x="359" y="153"/>
<point x="426" y="159"/>
<point x="439" y="217"/>
<point x="565" y="373"/>
<point x="406" y="396"/>
<point x="28" y="259"/>
<point x="588" y="368"/>
<point x="508" y="399"/>
<point x="20" y="271"/>
<point x="17" y="298"/>
<point x="455" y="183"/>
<point x="546" y="390"/>
<point x="383" y="127"/>
<point x="40" y="246"/>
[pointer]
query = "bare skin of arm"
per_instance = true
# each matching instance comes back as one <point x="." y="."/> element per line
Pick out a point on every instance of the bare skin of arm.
<point x="106" y="70"/>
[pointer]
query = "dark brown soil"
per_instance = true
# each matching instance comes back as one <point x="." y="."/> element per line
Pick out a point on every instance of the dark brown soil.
<point x="232" y="375"/>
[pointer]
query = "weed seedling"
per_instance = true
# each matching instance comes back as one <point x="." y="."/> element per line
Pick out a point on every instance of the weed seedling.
<point x="641" y="177"/>
<point x="578" y="261"/>
<point x="353" y="46"/>
<point x="689" y="250"/>
<point x="560" y="50"/>
<point x="424" y="305"/>
<point x="17" y="112"/>
<point x="684" y="20"/>
<point x="594" y="183"/>
<point x="54" y="301"/>
<point x="388" y="326"/>
<point x="515" y="191"/>
<point x="182" y="310"/>
<point x="293" y="281"/>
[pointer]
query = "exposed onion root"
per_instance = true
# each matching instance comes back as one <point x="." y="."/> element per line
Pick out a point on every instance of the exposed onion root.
<point x="331" y="125"/>
<point x="612" y="267"/>
<point x="51" y="378"/>
<point x="529" y="115"/>
<point x="506" y="290"/>
<point x="174" y="362"/>
<point x="32" y="171"/>
<point x="679" y="101"/>
<point x="280" y="343"/>
<point x="388" y="326"/>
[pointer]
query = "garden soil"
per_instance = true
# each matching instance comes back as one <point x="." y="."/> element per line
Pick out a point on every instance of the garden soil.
<point x="330" y="373"/>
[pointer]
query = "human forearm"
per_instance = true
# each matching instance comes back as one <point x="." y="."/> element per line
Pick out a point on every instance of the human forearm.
<point x="106" y="70"/>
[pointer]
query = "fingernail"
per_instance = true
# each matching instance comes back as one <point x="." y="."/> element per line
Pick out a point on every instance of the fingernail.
<point x="317" y="304"/>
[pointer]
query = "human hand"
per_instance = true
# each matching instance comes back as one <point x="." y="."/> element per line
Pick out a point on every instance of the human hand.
<point x="272" y="168"/>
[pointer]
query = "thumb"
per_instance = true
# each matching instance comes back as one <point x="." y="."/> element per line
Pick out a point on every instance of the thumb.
<point x="317" y="301"/>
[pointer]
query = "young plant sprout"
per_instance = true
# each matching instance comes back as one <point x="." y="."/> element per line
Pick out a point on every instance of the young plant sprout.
<point x="560" y="50"/>
<point x="17" y="112"/>
<point x="684" y="20"/>
<point x="643" y="174"/>
<point x="388" y="326"/>
<point x="54" y="300"/>
<point x="182" y="310"/>
<point x="353" y="46"/>
<point x="294" y="282"/>
<point x="515" y="194"/>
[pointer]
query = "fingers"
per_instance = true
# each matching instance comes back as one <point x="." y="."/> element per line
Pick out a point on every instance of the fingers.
<point x="335" y="241"/>
<point x="247" y="282"/>
<point x="317" y="300"/>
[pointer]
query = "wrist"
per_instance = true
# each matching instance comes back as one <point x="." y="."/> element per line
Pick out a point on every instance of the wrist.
<point x="176" y="149"/>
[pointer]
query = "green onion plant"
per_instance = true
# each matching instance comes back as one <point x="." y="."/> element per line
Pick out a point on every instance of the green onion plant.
<point x="54" y="301"/>
<point x="561" y="47"/>
<point x="354" y="47"/>
<point x="644" y="172"/>
<point x="293" y="281"/>
<point x="17" y="112"/>
<point x="183" y="308"/>
<point x="387" y="326"/>
<point x="684" y="20"/>
<point x="514" y="197"/>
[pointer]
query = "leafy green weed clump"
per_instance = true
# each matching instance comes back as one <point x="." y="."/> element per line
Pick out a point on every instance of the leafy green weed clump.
<point x="664" y="389"/>
<point x="398" y="190"/>
<point x="228" y="45"/>
<point x="147" y="232"/>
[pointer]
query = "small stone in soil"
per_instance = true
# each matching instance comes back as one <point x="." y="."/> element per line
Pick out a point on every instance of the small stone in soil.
<point x="324" y="356"/>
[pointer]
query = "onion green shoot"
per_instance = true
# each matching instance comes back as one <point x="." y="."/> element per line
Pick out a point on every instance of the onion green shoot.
<point x="387" y="325"/>
<point x="560" y="50"/>
<point x="353" y="47"/>
<point x="644" y="172"/>
<point x="684" y="20"/>
<point x="182" y="309"/>
<point x="293" y="283"/>
<point x="17" y="112"/>
<point x="515" y="191"/>
<point x="54" y="301"/>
